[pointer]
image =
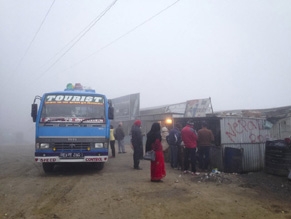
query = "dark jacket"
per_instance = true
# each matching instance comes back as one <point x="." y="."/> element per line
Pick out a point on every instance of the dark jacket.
<point x="174" y="137"/>
<point x="136" y="136"/>
<point x="119" y="133"/>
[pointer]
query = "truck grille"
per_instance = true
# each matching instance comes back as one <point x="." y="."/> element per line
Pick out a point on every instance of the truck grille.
<point x="71" y="146"/>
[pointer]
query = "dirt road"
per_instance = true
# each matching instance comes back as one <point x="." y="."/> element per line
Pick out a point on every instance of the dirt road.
<point x="119" y="191"/>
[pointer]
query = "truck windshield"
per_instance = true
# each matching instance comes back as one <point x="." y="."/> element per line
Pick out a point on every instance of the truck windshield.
<point x="69" y="110"/>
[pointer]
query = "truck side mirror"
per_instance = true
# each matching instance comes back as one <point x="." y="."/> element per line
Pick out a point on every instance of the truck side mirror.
<point x="33" y="111"/>
<point x="110" y="112"/>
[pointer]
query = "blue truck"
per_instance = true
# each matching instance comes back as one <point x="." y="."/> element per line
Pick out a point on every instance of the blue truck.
<point x="72" y="126"/>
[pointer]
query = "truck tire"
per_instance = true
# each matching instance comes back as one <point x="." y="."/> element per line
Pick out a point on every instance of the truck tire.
<point x="48" y="167"/>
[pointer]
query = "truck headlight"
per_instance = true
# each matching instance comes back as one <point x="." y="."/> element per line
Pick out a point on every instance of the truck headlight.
<point x="98" y="145"/>
<point x="44" y="145"/>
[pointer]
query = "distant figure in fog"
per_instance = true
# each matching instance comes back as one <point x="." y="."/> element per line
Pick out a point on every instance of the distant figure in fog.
<point x="136" y="141"/>
<point x="112" y="141"/>
<point x="119" y="136"/>
<point x="154" y="139"/>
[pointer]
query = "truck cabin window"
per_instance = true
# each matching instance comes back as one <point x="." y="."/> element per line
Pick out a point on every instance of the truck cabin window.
<point x="67" y="111"/>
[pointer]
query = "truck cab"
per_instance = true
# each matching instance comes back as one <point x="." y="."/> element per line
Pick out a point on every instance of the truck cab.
<point x="71" y="126"/>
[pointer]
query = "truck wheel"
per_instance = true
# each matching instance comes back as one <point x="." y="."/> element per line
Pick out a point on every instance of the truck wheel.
<point x="48" y="167"/>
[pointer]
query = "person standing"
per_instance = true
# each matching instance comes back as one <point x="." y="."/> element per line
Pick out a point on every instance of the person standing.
<point x="189" y="137"/>
<point x="112" y="141"/>
<point x="136" y="141"/>
<point x="166" y="148"/>
<point x="119" y="136"/>
<point x="153" y="141"/>
<point x="174" y="140"/>
<point x="181" y="155"/>
<point x="205" y="140"/>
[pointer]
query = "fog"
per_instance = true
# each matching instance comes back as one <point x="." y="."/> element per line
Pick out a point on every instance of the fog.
<point x="236" y="52"/>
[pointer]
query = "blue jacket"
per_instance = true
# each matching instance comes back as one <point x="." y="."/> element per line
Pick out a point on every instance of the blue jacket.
<point x="174" y="137"/>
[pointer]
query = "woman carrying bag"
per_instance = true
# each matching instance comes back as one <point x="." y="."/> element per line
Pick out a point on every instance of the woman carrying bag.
<point x="153" y="142"/>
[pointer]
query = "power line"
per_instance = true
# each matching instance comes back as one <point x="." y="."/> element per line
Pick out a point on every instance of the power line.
<point x="125" y="34"/>
<point x="85" y="31"/>
<point x="79" y="35"/>
<point x="35" y="35"/>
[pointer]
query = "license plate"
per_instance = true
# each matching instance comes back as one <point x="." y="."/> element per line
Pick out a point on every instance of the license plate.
<point x="71" y="155"/>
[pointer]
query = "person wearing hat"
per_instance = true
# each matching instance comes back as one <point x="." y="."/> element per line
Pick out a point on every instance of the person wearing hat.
<point x="189" y="137"/>
<point x="165" y="144"/>
<point x="136" y="141"/>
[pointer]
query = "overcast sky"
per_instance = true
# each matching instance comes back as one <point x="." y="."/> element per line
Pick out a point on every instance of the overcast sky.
<point x="236" y="52"/>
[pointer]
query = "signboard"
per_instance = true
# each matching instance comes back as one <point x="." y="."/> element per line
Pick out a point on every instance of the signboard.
<point x="191" y="108"/>
<point x="198" y="108"/>
<point x="74" y="99"/>
<point x="176" y="108"/>
<point x="126" y="107"/>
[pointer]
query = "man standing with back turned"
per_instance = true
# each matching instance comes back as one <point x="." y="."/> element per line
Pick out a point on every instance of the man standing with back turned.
<point x="189" y="138"/>
<point x="174" y="140"/>
<point x="205" y="139"/>
<point x="136" y="141"/>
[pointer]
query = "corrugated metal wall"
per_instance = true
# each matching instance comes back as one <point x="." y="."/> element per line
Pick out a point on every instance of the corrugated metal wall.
<point x="249" y="135"/>
<point x="282" y="129"/>
<point x="253" y="158"/>
<point x="243" y="130"/>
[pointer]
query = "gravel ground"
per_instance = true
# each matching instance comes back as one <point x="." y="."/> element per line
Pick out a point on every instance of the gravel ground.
<point x="119" y="191"/>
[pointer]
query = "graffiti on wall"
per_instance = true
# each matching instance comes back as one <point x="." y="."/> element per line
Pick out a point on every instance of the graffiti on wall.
<point x="245" y="131"/>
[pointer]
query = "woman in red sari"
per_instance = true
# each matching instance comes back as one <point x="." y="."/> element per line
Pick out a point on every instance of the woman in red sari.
<point x="153" y="142"/>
